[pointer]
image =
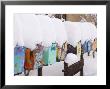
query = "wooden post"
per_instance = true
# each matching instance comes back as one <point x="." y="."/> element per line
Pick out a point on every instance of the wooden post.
<point x="81" y="72"/>
<point x="82" y="61"/>
<point x="40" y="71"/>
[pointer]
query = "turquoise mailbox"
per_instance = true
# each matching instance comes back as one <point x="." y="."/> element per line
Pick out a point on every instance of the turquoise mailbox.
<point x="49" y="54"/>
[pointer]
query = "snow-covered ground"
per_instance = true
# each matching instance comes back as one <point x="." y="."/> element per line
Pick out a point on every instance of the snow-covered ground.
<point x="54" y="69"/>
<point x="90" y="65"/>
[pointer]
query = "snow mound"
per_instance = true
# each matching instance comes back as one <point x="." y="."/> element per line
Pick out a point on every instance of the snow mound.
<point x="71" y="59"/>
<point x="31" y="29"/>
<point x="61" y="35"/>
<point x="48" y="30"/>
<point x="18" y="33"/>
<point x="88" y="32"/>
<point x="93" y="31"/>
<point x="73" y="32"/>
<point x="28" y="27"/>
